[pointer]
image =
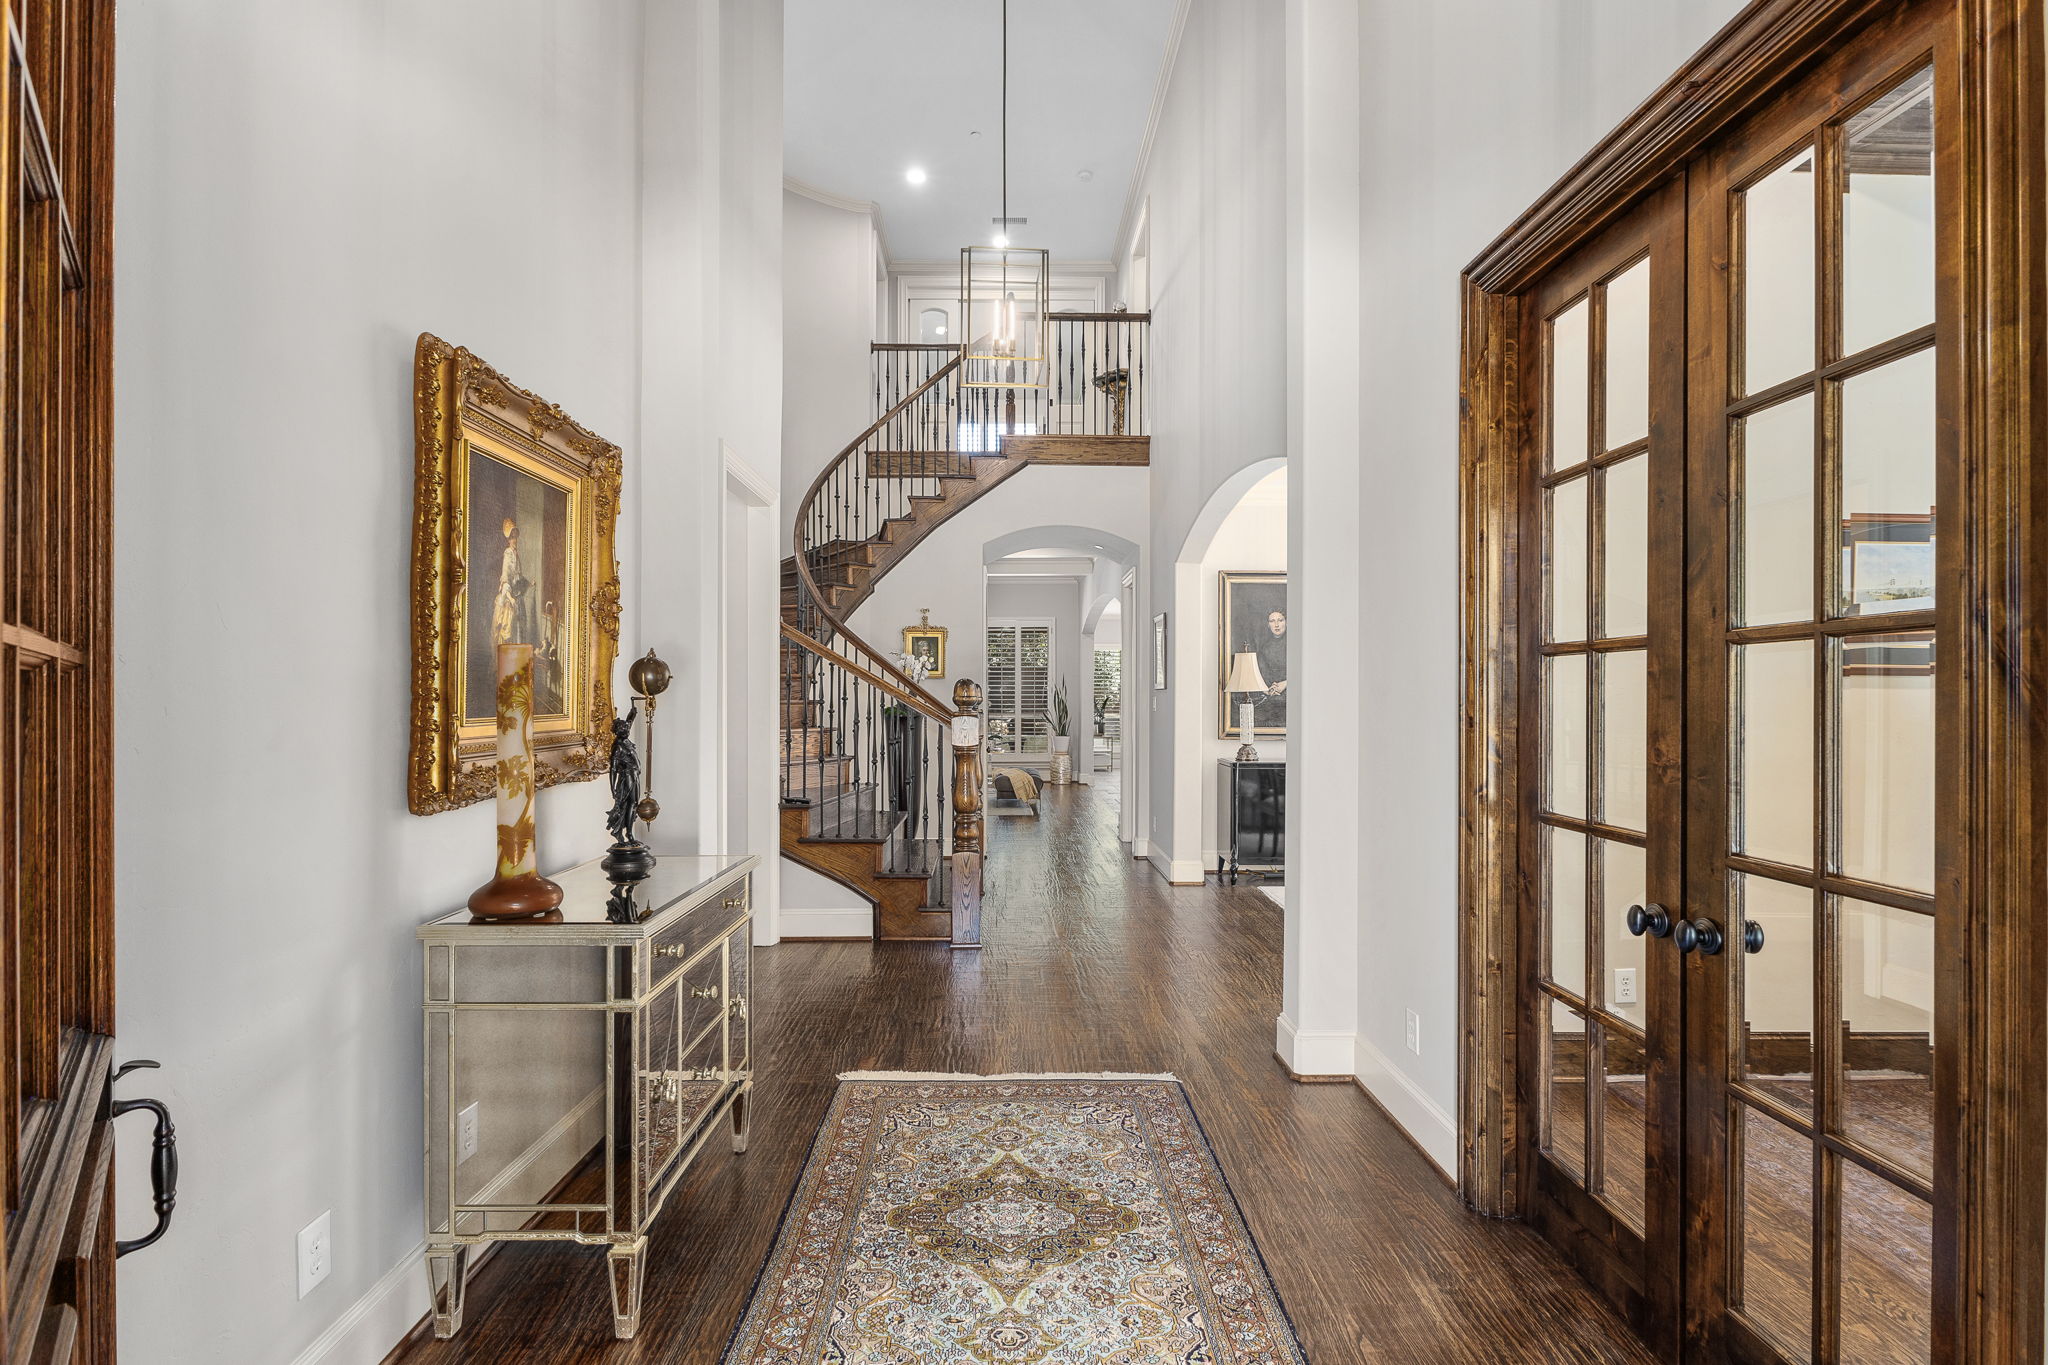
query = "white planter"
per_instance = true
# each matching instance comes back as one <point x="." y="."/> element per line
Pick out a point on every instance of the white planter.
<point x="1059" y="743"/>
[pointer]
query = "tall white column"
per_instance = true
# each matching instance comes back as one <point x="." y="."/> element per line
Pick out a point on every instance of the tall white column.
<point x="1317" y="1028"/>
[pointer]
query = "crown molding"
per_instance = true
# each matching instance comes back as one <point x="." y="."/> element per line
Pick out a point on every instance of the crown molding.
<point x="1134" y="197"/>
<point x="846" y="204"/>
<point x="827" y="198"/>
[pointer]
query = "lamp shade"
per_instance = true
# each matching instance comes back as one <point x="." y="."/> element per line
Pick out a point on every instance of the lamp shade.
<point x="1244" y="673"/>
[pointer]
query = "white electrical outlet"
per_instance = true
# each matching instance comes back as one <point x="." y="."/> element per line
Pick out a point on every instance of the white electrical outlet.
<point x="1624" y="985"/>
<point x="316" y="1252"/>
<point x="1415" y="1033"/>
<point x="466" y="1133"/>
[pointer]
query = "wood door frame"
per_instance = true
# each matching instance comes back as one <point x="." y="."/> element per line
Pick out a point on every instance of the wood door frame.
<point x="1994" y="1235"/>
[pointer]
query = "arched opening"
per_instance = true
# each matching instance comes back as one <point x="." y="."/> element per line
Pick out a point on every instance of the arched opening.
<point x="1229" y="597"/>
<point x="1053" y="625"/>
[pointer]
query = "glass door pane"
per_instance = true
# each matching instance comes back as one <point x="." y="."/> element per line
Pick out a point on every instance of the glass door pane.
<point x="1829" y="854"/>
<point x="1595" y="717"/>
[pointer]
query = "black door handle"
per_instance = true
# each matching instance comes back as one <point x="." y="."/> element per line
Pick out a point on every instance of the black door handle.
<point x="163" y="1161"/>
<point x="1752" y="936"/>
<point x="1653" y="920"/>
<point x="1702" y="934"/>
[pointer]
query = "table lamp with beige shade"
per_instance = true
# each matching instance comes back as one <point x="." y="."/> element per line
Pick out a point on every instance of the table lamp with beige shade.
<point x="1245" y="677"/>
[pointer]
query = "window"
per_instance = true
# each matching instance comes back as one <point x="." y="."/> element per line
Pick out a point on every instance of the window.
<point x="1109" y="691"/>
<point x="1019" y="686"/>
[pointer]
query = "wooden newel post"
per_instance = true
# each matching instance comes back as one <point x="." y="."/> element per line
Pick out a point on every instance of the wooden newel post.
<point x="967" y="814"/>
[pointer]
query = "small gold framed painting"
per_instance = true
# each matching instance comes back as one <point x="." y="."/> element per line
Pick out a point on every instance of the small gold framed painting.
<point x="927" y="642"/>
<point x="515" y="511"/>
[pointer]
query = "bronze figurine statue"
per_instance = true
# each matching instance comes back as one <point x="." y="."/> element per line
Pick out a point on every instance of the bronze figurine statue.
<point x="628" y="859"/>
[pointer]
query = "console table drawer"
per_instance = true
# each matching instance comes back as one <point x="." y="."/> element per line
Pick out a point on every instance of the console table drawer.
<point x="698" y="930"/>
<point x="700" y="995"/>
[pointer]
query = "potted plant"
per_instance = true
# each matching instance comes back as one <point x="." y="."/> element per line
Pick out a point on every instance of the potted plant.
<point x="1060" y="719"/>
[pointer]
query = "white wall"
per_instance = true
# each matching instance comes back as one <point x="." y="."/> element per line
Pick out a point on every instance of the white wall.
<point x="945" y="571"/>
<point x="1443" y="173"/>
<point x="301" y="190"/>
<point x="828" y="319"/>
<point x="1214" y="227"/>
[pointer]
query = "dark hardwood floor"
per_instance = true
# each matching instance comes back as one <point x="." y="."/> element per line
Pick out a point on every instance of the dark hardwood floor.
<point x="1093" y="963"/>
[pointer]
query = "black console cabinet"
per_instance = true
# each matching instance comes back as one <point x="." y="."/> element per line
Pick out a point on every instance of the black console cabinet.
<point x="1251" y="817"/>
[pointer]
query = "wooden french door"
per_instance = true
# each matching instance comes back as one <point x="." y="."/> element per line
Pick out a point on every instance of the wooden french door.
<point x="1822" y="418"/>
<point x="56" y="800"/>
<point x="1743" y="858"/>
<point x="1603" y="496"/>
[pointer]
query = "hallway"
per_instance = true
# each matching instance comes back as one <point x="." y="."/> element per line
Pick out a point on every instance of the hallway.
<point x="1092" y="964"/>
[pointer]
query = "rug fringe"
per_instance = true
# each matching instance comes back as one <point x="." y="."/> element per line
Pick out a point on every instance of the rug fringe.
<point x="1011" y="1076"/>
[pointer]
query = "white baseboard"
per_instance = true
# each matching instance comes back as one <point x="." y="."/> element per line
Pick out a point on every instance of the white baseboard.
<point x="1314" y="1054"/>
<point x="1141" y="848"/>
<point x="379" y="1320"/>
<point x="1434" y="1131"/>
<point x="1180" y="873"/>
<point x="855" y="923"/>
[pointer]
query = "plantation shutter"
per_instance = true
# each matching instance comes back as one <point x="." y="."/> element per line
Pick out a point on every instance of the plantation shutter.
<point x="1019" y="686"/>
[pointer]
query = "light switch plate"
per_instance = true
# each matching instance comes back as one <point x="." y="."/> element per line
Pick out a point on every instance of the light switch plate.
<point x="1415" y="1033"/>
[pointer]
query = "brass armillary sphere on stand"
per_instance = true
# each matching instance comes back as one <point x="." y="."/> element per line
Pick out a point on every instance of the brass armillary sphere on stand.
<point x="650" y="678"/>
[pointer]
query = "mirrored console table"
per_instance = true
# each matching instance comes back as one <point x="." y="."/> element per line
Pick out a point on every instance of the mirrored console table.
<point x="575" y="1067"/>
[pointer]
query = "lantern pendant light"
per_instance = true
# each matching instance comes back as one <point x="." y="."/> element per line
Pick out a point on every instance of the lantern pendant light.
<point x="1006" y="286"/>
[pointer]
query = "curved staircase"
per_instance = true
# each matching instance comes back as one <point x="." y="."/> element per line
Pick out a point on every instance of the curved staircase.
<point x="875" y="795"/>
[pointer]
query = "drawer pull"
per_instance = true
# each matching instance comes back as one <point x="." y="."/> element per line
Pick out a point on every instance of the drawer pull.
<point x="706" y="1073"/>
<point x="739" y="1007"/>
<point x="736" y="902"/>
<point x="671" y="949"/>
<point x="704" y="992"/>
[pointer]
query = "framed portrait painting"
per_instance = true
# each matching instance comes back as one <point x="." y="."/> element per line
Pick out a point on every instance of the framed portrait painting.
<point x="926" y="643"/>
<point x="1251" y="618"/>
<point x="515" y="509"/>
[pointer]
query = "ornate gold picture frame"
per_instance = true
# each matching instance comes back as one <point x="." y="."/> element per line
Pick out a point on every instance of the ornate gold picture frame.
<point x="927" y="642"/>
<point x="515" y="515"/>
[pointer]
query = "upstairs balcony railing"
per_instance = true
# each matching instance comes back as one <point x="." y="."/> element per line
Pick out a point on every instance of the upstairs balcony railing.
<point x="1098" y="384"/>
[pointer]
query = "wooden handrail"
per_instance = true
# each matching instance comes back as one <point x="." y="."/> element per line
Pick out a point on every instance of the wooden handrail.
<point x="913" y="346"/>
<point x="920" y="700"/>
<point x="1098" y="317"/>
<point x="932" y="706"/>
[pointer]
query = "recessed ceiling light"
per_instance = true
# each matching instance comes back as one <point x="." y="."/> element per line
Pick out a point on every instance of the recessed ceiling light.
<point x="1086" y="175"/>
<point x="915" y="175"/>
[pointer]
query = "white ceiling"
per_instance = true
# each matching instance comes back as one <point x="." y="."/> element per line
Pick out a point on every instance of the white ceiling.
<point x="873" y="87"/>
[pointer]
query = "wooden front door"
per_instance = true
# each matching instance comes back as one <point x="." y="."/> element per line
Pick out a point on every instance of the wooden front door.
<point x="56" y="798"/>
<point x="1751" y="610"/>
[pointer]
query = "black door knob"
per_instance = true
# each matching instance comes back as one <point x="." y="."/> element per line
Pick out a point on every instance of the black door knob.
<point x="1752" y="936"/>
<point x="1653" y="920"/>
<point x="1702" y="934"/>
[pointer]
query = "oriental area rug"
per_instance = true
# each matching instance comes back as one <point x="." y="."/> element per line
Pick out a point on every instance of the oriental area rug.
<point x="1012" y="1220"/>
